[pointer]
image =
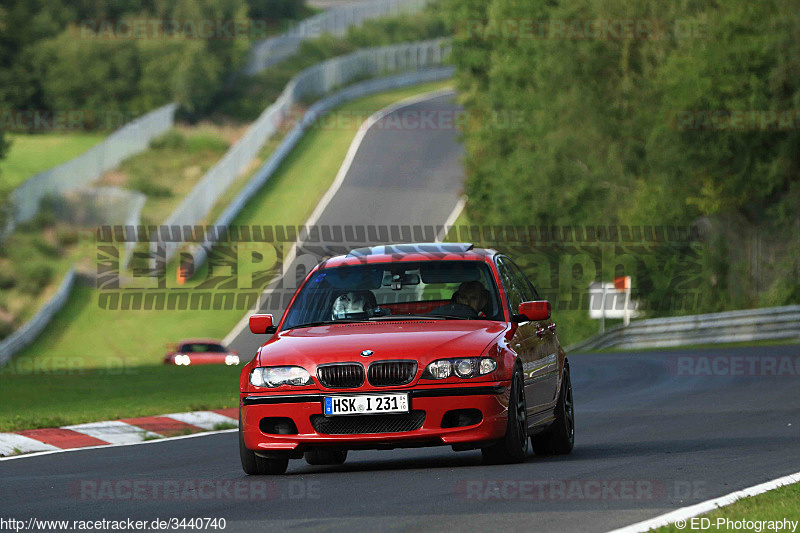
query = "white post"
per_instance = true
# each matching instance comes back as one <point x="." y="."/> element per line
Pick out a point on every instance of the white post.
<point x="603" y="310"/>
<point x="626" y="314"/>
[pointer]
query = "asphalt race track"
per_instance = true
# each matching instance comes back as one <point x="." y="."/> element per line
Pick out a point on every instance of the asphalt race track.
<point x="398" y="177"/>
<point x="652" y="433"/>
<point x="655" y="439"/>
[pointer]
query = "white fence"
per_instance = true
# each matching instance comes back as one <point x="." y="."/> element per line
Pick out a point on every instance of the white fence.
<point x="335" y="21"/>
<point x="89" y="166"/>
<point x="312" y="82"/>
<point x="33" y="327"/>
<point x="733" y="326"/>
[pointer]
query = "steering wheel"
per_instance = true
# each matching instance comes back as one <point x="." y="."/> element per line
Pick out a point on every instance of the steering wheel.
<point x="456" y="309"/>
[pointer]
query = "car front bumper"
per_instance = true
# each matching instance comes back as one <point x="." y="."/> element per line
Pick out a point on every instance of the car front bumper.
<point x="491" y="399"/>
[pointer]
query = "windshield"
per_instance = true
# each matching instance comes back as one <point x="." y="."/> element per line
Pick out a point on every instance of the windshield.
<point x="201" y="347"/>
<point x="390" y="291"/>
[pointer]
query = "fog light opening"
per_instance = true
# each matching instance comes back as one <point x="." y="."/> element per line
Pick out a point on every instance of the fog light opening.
<point x="277" y="426"/>
<point x="461" y="417"/>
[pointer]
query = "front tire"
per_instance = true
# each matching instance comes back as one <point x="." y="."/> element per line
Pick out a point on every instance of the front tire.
<point x="254" y="465"/>
<point x="513" y="447"/>
<point x="559" y="438"/>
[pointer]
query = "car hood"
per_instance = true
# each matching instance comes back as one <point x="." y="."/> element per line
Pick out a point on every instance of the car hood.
<point x="421" y="340"/>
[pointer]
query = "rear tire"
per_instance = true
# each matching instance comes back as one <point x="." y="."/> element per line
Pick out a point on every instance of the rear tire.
<point x="254" y="465"/>
<point x="513" y="447"/>
<point x="559" y="438"/>
<point x="325" y="457"/>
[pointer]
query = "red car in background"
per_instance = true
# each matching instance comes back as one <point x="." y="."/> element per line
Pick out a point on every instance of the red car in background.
<point x="406" y="346"/>
<point x="201" y="352"/>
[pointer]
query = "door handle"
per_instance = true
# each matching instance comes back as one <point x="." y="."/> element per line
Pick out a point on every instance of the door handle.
<point x="552" y="327"/>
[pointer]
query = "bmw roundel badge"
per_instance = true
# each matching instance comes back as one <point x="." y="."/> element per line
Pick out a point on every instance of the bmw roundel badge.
<point x="367" y="353"/>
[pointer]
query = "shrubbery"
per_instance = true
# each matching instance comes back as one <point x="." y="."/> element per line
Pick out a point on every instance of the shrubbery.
<point x="569" y="130"/>
<point x="35" y="277"/>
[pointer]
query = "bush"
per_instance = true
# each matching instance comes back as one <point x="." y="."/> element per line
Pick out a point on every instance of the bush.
<point x="171" y="139"/>
<point x="6" y="329"/>
<point x="7" y="278"/>
<point x="276" y="9"/>
<point x="44" y="247"/>
<point x="201" y="143"/>
<point x="36" y="277"/>
<point x="67" y="236"/>
<point x="151" y="189"/>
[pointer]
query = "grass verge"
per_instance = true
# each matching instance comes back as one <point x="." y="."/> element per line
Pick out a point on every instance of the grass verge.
<point x="172" y="166"/>
<point x="775" y="505"/>
<point x="33" y="153"/>
<point x="33" y="399"/>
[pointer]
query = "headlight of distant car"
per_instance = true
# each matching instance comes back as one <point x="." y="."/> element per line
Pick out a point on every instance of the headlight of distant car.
<point x="182" y="360"/>
<point x="231" y="360"/>
<point x="279" y="375"/>
<point x="465" y="367"/>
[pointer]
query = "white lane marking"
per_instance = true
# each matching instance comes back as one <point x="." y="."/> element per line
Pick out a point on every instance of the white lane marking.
<point x="11" y="443"/>
<point x="454" y="214"/>
<point x="334" y="188"/>
<point x="685" y="513"/>
<point x="202" y="419"/>
<point x="155" y="441"/>
<point x="113" y="431"/>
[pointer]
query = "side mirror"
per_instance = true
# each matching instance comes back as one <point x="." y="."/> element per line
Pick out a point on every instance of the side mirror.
<point x="260" y="324"/>
<point x="534" y="311"/>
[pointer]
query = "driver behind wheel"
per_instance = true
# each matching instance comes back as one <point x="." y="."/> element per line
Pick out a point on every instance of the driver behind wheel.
<point x="468" y="301"/>
<point x="473" y="294"/>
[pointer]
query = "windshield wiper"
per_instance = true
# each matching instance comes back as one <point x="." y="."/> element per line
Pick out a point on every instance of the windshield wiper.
<point x="326" y="323"/>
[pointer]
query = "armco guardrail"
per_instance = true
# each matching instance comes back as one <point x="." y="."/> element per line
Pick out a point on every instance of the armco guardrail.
<point x="335" y="21"/>
<point x="312" y="82"/>
<point x="733" y="326"/>
<point x="89" y="166"/>
<point x="26" y="334"/>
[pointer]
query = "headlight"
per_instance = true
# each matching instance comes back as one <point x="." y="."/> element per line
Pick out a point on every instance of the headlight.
<point x="467" y="367"/>
<point x="439" y="369"/>
<point x="279" y="375"/>
<point x="182" y="360"/>
<point x="231" y="360"/>
<point x="464" y="367"/>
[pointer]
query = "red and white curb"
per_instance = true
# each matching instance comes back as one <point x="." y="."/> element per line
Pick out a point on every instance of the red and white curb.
<point x="125" y="431"/>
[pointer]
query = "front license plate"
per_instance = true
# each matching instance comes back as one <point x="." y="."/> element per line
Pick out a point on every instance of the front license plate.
<point x="365" y="404"/>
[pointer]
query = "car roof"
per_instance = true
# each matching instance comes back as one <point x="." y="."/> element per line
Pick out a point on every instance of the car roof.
<point x="433" y="251"/>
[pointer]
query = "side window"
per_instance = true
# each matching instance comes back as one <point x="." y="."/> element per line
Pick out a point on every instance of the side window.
<point x="522" y="281"/>
<point x="513" y="293"/>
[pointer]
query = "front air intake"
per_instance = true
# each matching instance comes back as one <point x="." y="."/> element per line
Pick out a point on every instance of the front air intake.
<point x="389" y="373"/>
<point x="341" y="375"/>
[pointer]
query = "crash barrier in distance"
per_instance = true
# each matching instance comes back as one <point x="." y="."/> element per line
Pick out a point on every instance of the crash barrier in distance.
<point x="770" y="323"/>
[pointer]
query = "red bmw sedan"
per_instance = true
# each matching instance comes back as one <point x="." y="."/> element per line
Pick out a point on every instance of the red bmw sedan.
<point x="406" y="346"/>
